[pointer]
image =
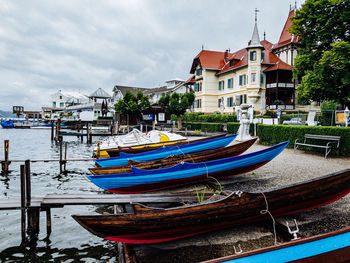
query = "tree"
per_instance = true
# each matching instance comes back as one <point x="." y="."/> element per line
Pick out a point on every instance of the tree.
<point x="133" y="104"/>
<point x="321" y="24"/>
<point x="177" y="104"/>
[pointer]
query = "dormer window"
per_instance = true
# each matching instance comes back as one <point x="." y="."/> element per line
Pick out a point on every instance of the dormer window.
<point x="262" y="55"/>
<point x="199" y="72"/>
<point x="252" y="55"/>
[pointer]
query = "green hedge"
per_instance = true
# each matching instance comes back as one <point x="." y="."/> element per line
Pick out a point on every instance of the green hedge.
<point x="215" y="118"/>
<point x="210" y="126"/>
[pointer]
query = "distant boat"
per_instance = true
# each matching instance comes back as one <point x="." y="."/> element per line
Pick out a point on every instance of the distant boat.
<point x="166" y="151"/>
<point x="152" y="225"/>
<point x="7" y="124"/>
<point x="140" y="180"/>
<point x="329" y="247"/>
<point x="196" y="157"/>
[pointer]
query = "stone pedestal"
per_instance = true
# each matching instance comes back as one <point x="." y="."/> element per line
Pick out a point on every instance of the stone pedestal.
<point x="243" y="131"/>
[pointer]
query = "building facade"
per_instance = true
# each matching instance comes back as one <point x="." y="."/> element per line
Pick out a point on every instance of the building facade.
<point x="259" y="74"/>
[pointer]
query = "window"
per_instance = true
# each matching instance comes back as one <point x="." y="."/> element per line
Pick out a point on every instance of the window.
<point x="240" y="99"/>
<point x="60" y="97"/>
<point x="197" y="103"/>
<point x="262" y="55"/>
<point x="229" y="102"/>
<point x="219" y="102"/>
<point x="54" y="104"/>
<point x="253" y="77"/>
<point x="242" y="80"/>
<point x="198" y="86"/>
<point x="230" y="83"/>
<point x="199" y="72"/>
<point x="261" y="78"/>
<point x="61" y="104"/>
<point x="221" y="85"/>
<point x="252" y="55"/>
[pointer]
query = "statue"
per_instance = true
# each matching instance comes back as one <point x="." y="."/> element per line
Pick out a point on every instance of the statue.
<point x="243" y="131"/>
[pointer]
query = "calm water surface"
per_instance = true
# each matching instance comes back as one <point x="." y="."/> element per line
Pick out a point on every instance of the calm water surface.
<point x="68" y="242"/>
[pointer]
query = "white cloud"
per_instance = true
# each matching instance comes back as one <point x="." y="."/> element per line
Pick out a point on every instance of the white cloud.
<point x="46" y="45"/>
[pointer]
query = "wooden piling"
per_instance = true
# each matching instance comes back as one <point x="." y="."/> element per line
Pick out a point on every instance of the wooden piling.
<point x="23" y="203"/>
<point x="65" y="155"/>
<point x="98" y="150"/>
<point x="205" y="131"/>
<point x="61" y="157"/>
<point x="28" y="183"/>
<point x="6" y="163"/>
<point x="48" y="222"/>
<point x="33" y="214"/>
<point x="52" y="130"/>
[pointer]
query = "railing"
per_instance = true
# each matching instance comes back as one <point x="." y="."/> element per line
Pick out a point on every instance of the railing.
<point x="280" y="85"/>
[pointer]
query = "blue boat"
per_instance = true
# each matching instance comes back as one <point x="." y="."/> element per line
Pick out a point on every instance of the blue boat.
<point x="7" y="124"/>
<point x="329" y="247"/>
<point x="140" y="180"/>
<point x="166" y="151"/>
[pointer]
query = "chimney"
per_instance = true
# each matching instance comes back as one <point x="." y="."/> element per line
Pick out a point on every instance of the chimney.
<point x="226" y="56"/>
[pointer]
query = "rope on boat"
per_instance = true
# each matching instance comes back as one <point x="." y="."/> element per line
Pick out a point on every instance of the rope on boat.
<point x="266" y="211"/>
<point x="184" y="154"/>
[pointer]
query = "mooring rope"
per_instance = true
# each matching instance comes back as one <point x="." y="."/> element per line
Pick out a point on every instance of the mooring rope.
<point x="266" y="211"/>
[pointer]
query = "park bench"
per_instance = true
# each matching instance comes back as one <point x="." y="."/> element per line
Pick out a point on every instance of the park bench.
<point x="332" y="142"/>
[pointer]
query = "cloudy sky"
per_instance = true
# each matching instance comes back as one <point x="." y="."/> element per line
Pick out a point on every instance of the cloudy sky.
<point x="83" y="45"/>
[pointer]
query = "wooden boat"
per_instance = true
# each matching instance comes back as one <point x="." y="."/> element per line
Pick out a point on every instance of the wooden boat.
<point x="151" y="225"/>
<point x="140" y="180"/>
<point x="166" y="151"/>
<point x="138" y="140"/>
<point x="150" y="147"/>
<point x="329" y="247"/>
<point x="195" y="157"/>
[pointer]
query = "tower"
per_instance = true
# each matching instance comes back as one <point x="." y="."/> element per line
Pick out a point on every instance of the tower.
<point x="255" y="57"/>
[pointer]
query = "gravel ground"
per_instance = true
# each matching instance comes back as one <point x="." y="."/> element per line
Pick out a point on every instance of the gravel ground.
<point x="287" y="168"/>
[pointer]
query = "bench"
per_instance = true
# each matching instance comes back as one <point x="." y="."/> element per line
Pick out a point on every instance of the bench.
<point x="332" y="142"/>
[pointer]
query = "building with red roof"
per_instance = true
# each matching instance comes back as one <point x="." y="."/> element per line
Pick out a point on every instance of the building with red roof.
<point x="259" y="74"/>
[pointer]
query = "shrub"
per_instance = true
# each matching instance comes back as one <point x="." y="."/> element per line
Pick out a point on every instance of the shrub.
<point x="211" y="127"/>
<point x="272" y="134"/>
<point x="201" y="117"/>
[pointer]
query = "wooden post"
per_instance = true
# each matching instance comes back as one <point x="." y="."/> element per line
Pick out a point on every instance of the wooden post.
<point x="48" y="222"/>
<point x="205" y="131"/>
<point x="98" y="150"/>
<point x="33" y="214"/>
<point x="88" y="133"/>
<point x="186" y="131"/>
<point x="61" y="157"/>
<point x="121" y="255"/>
<point x="6" y="163"/>
<point x="23" y="203"/>
<point x="65" y="155"/>
<point x="28" y="183"/>
<point x="52" y="130"/>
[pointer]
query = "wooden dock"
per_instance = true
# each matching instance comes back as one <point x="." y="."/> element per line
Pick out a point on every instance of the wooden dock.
<point x="57" y="201"/>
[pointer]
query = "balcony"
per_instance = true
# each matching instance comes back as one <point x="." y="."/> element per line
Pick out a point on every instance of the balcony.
<point x="280" y="85"/>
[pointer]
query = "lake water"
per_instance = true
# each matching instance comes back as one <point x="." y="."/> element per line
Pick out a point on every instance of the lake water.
<point x="68" y="242"/>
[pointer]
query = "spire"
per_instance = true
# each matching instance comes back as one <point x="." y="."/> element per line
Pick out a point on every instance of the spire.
<point x="255" y="40"/>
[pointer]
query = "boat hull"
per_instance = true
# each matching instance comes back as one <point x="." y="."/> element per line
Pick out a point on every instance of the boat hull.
<point x="195" y="157"/>
<point x="329" y="247"/>
<point x="153" y="226"/>
<point x="166" y="152"/>
<point x="140" y="180"/>
<point x="150" y="147"/>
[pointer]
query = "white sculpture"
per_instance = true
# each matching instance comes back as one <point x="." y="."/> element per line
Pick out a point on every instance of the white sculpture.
<point x="243" y="131"/>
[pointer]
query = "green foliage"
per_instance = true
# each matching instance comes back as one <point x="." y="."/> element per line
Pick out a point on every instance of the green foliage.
<point x="133" y="104"/>
<point x="232" y="127"/>
<point x="197" y="132"/>
<point x="208" y="126"/>
<point x="273" y="134"/>
<point x="329" y="105"/>
<point x="177" y="103"/>
<point x="200" y="196"/>
<point x="323" y="65"/>
<point x="201" y="117"/>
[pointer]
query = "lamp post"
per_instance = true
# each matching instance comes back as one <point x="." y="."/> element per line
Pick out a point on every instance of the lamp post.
<point x="346" y="113"/>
